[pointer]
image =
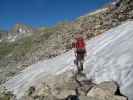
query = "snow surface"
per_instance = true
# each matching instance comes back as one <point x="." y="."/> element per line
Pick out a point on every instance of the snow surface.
<point x="110" y="57"/>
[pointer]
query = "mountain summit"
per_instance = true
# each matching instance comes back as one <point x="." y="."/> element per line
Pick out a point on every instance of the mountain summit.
<point x="21" y="28"/>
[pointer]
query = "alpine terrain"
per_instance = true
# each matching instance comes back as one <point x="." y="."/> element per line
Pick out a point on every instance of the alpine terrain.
<point x="42" y="72"/>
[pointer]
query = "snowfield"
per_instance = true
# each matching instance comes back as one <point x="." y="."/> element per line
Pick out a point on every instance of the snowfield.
<point x="110" y="57"/>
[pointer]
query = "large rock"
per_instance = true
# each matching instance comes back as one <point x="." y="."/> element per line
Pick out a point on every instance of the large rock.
<point x="87" y="98"/>
<point x="105" y="91"/>
<point x="110" y="86"/>
<point x="107" y="98"/>
<point x="64" y="94"/>
<point x="119" y="98"/>
<point x="61" y="86"/>
<point x="98" y="92"/>
<point x="97" y="98"/>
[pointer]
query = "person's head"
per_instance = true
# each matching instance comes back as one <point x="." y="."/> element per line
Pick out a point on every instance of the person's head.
<point x="78" y="35"/>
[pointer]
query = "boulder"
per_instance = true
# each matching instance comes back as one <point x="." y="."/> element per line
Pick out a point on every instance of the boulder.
<point x="88" y="98"/>
<point x="120" y="98"/>
<point x="97" y="98"/>
<point x="105" y="91"/>
<point x="99" y="92"/>
<point x="64" y="94"/>
<point x="110" y="86"/>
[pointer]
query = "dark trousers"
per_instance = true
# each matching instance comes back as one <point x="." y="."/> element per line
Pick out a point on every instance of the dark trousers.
<point x="80" y="53"/>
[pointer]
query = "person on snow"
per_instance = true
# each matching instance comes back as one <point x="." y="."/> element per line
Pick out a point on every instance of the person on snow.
<point x="79" y="50"/>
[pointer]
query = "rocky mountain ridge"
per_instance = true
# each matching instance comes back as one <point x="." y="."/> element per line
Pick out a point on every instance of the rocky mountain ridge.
<point x="18" y="32"/>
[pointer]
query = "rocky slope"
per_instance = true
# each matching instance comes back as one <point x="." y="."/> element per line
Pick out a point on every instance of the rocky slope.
<point x="70" y="90"/>
<point x="109" y="58"/>
<point x="50" y="42"/>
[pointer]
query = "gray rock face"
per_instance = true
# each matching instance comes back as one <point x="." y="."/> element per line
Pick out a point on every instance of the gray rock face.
<point x="68" y="88"/>
<point x="110" y="86"/>
<point x="105" y="91"/>
<point x="107" y="98"/>
<point x="87" y="98"/>
<point x="98" y="94"/>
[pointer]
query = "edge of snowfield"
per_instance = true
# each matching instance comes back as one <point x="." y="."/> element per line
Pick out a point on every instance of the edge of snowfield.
<point x="110" y="57"/>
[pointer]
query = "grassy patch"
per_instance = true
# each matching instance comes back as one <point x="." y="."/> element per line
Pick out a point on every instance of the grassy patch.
<point x="22" y="46"/>
<point x="5" y="49"/>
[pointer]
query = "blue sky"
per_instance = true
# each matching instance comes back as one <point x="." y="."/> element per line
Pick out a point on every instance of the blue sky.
<point x="44" y="12"/>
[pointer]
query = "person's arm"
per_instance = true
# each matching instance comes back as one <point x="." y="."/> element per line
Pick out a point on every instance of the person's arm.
<point x="74" y="46"/>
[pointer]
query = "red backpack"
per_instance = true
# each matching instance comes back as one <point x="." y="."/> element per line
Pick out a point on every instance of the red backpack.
<point x="80" y="44"/>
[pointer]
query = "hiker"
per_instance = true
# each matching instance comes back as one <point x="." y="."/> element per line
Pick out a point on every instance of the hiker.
<point x="79" y="50"/>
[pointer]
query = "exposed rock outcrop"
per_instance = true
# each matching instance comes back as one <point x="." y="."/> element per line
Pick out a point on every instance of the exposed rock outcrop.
<point x="69" y="89"/>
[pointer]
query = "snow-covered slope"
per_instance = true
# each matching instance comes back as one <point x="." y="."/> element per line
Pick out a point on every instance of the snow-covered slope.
<point x="110" y="57"/>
